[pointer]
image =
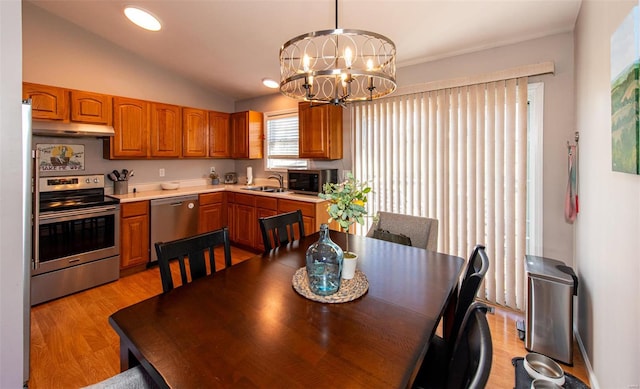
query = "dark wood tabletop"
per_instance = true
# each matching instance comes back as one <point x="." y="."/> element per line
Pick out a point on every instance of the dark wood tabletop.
<point x="246" y="326"/>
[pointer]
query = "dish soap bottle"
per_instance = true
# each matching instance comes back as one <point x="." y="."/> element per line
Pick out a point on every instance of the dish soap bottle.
<point x="324" y="264"/>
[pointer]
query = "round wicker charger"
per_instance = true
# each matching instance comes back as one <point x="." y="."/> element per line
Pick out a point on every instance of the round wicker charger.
<point x="349" y="289"/>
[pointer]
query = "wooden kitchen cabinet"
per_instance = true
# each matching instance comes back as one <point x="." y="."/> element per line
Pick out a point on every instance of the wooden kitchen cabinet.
<point x="244" y="219"/>
<point x="320" y="129"/>
<point x="89" y="107"/>
<point x="68" y="105"/>
<point x="265" y="206"/>
<point x="244" y="210"/>
<point x="247" y="134"/>
<point x="165" y="131"/>
<point x="213" y="212"/>
<point x="195" y="133"/>
<point x="311" y="213"/>
<point x="219" y="135"/>
<point x="134" y="234"/>
<point x="131" y="126"/>
<point x="47" y="102"/>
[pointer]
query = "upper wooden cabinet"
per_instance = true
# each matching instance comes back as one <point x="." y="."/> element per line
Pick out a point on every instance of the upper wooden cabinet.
<point x="320" y="128"/>
<point x="219" y="135"/>
<point x="165" y="131"/>
<point x="246" y="134"/>
<point x="89" y="107"/>
<point x="195" y="133"/>
<point x="55" y="103"/>
<point x="47" y="102"/>
<point x="131" y="125"/>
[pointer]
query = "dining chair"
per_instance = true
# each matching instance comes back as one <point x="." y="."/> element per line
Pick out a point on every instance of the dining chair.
<point x="422" y="231"/>
<point x="133" y="378"/>
<point x="281" y="229"/>
<point x="193" y="250"/>
<point x="469" y="365"/>
<point x="474" y="273"/>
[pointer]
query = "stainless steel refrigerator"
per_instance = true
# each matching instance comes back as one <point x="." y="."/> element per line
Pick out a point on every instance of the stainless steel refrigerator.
<point x="28" y="156"/>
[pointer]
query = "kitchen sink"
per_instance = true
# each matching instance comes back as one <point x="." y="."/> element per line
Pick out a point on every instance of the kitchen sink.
<point x="265" y="189"/>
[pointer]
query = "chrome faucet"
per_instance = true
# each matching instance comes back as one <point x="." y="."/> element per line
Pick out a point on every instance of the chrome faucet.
<point x="278" y="177"/>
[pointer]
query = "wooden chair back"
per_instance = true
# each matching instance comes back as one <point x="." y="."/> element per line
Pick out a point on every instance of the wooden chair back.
<point x="194" y="250"/>
<point x="281" y="229"/>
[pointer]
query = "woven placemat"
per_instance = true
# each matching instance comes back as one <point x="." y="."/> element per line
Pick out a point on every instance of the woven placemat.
<point x="349" y="289"/>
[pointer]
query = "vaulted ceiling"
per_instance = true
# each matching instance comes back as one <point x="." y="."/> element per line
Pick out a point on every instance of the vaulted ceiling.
<point x="231" y="45"/>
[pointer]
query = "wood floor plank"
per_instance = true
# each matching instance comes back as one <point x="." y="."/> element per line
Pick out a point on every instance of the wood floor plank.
<point x="73" y="345"/>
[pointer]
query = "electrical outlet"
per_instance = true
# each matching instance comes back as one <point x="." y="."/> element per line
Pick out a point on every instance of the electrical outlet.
<point x="161" y="172"/>
<point x="212" y="169"/>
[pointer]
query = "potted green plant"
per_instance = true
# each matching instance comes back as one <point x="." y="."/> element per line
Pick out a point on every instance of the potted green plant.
<point x="215" y="178"/>
<point x="347" y="202"/>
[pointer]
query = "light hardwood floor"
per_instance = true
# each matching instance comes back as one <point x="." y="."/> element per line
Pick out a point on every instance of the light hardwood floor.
<point x="73" y="345"/>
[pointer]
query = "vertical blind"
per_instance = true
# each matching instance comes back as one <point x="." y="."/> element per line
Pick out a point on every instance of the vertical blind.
<point x="457" y="155"/>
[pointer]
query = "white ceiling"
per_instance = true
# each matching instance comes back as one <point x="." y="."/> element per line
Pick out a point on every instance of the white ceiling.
<point x="231" y="45"/>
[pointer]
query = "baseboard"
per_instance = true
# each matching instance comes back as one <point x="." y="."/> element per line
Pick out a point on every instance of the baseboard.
<point x="592" y="376"/>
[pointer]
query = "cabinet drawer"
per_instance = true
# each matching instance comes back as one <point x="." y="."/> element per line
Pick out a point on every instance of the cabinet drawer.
<point x="267" y="202"/>
<point x="211" y="198"/>
<point x="245" y="199"/>
<point x="134" y="209"/>
<point x="308" y="209"/>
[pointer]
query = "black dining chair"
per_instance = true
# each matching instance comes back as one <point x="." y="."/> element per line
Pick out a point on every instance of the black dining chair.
<point x="469" y="365"/>
<point x="474" y="273"/>
<point x="281" y="229"/>
<point x="194" y="250"/>
<point x="477" y="267"/>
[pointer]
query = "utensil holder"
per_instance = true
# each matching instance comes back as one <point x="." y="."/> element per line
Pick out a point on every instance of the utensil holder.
<point x="121" y="187"/>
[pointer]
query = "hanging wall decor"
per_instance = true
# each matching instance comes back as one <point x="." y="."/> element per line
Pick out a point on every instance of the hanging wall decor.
<point x="625" y="95"/>
<point x="60" y="157"/>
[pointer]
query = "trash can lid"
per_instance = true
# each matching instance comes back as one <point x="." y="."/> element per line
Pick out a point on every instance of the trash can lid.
<point x="550" y="269"/>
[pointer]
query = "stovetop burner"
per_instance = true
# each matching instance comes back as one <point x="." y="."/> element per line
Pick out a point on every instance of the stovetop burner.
<point x="73" y="192"/>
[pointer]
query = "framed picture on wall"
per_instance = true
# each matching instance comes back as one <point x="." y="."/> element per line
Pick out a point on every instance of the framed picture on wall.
<point x="60" y="157"/>
<point x="625" y="95"/>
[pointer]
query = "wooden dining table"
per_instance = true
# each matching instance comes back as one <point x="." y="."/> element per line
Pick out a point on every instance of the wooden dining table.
<point x="246" y="326"/>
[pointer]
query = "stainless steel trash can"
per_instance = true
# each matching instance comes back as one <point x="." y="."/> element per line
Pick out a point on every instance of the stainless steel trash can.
<point x="551" y="286"/>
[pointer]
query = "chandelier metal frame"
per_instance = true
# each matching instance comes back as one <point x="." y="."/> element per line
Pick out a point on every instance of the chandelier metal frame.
<point x="338" y="66"/>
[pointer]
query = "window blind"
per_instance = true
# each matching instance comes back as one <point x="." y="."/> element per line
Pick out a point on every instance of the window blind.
<point x="282" y="142"/>
<point x="459" y="155"/>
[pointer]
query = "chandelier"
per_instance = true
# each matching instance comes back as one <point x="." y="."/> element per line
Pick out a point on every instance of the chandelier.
<point x="338" y="66"/>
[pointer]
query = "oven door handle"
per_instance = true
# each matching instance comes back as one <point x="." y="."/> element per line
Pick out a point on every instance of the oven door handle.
<point x="96" y="211"/>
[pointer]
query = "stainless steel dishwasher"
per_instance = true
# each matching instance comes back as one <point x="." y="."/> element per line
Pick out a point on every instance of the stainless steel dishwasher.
<point x="173" y="218"/>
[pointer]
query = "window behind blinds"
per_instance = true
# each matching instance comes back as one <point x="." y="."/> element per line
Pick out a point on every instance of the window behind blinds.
<point x="282" y="142"/>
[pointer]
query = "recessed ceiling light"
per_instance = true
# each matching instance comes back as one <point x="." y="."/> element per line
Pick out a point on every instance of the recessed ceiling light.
<point x="269" y="83"/>
<point x="142" y="18"/>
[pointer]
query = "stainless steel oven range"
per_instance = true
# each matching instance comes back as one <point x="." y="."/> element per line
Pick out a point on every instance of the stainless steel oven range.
<point x="76" y="234"/>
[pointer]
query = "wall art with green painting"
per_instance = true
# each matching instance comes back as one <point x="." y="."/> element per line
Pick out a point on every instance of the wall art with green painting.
<point x="625" y="95"/>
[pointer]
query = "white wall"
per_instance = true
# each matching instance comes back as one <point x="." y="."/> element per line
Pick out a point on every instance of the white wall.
<point x="12" y="282"/>
<point x="607" y="235"/>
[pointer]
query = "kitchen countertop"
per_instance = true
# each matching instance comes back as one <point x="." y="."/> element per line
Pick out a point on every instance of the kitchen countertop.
<point x="191" y="190"/>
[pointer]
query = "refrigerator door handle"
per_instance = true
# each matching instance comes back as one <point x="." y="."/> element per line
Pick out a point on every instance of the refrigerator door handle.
<point x="35" y="262"/>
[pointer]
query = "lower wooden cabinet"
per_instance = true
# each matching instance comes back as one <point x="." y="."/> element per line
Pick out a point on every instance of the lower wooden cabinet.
<point x="134" y="234"/>
<point x="245" y="219"/>
<point x="247" y="209"/>
<point x="265" y="207"/>
<point x="213" y="211"/>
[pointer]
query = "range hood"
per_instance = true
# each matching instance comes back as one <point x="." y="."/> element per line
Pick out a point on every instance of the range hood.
<point x="54" y="128"/>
